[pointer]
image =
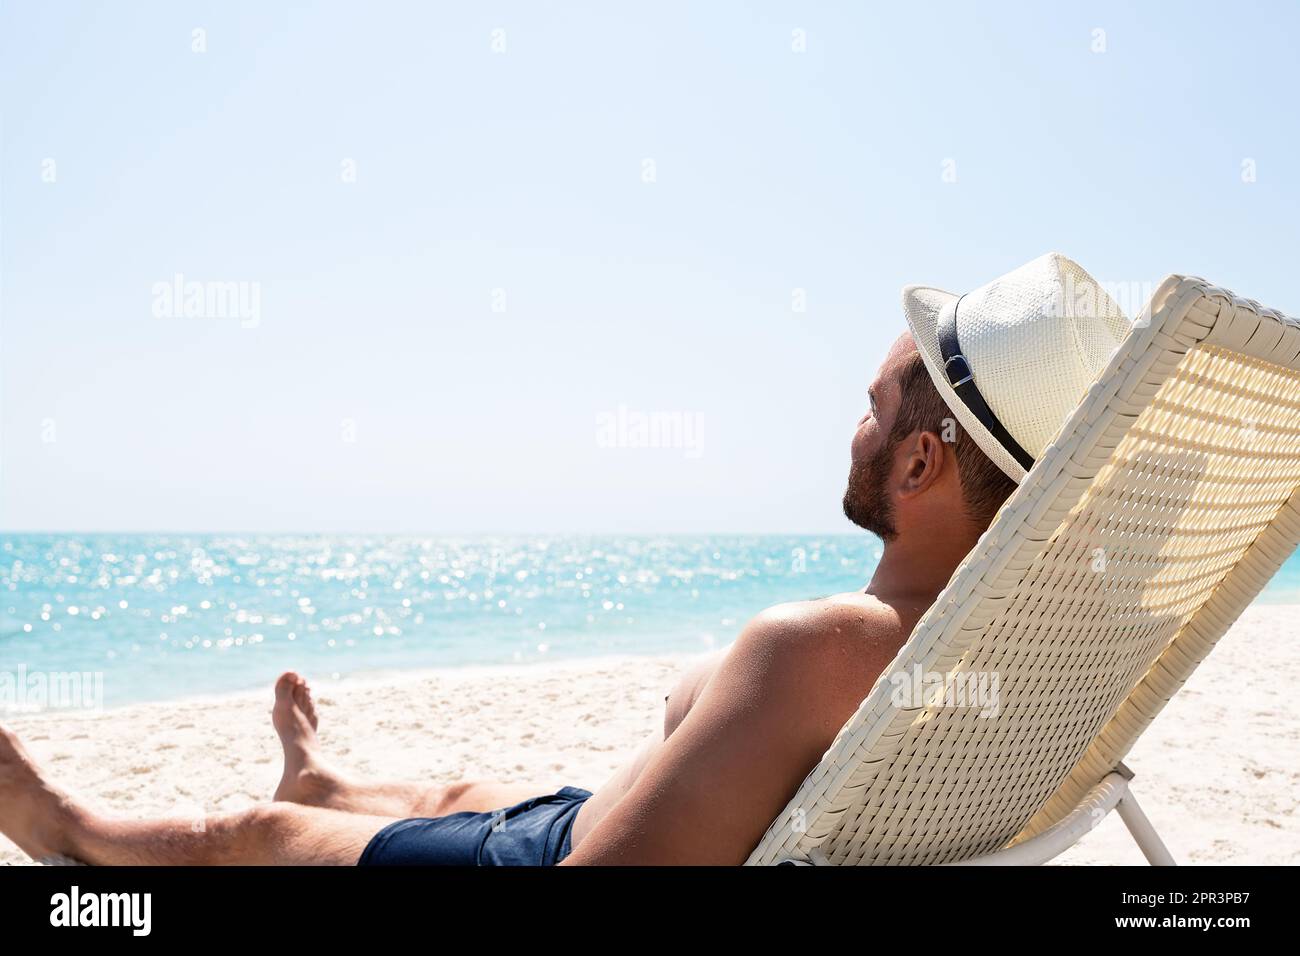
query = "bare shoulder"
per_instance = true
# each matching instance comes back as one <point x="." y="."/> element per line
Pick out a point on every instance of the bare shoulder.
<point x="854" y="623"/>
<point x="838" y="642"/>
<point x="828" y="652"/>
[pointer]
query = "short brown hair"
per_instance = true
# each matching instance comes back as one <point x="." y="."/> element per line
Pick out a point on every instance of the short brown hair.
<point x="984" y="486"/>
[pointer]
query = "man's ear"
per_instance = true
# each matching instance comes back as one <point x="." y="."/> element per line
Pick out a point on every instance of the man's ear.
<point x="926" y="460"/>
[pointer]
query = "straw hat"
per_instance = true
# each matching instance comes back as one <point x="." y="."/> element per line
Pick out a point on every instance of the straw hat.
<point x="1013" y="358"/>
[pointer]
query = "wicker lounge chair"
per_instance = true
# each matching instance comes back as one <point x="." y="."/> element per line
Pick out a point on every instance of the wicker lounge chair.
<point x="1164" y="505"/>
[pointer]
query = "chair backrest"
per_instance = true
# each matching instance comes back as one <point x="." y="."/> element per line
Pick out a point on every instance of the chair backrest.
<point x="1165" y="504"/>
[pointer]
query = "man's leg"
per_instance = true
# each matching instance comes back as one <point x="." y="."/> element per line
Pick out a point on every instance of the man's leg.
<point x="309" y="779"/>
<point x="45" y="821"/>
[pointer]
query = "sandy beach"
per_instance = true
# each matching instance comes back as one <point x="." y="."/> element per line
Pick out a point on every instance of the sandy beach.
<point x="1218" y="773"/>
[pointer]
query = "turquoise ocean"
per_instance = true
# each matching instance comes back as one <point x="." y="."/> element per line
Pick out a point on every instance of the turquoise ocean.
<point x="169" y="616"/>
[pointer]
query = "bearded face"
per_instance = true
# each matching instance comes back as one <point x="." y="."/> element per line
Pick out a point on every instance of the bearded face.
<point x="866" y="499"/>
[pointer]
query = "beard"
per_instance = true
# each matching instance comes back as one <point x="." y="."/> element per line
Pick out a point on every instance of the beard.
<point x="866" y="501"/>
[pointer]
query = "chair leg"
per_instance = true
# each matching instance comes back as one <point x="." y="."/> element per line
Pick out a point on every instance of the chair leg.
<point x="1153" y="848"/>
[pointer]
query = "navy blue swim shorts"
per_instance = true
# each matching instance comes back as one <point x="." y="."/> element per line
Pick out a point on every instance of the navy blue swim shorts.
<point x="532" y="833"/>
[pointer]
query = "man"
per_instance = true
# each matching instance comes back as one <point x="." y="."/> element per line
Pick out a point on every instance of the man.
<point x="959" y="410"/>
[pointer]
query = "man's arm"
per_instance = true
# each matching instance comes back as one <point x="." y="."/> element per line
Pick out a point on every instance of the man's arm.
<point x="761" y="724"/>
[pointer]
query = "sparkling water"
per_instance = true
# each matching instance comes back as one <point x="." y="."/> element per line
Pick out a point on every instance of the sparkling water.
<point x="165" y="616"/>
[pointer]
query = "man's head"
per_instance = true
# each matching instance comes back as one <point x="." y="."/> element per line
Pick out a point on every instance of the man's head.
<point x="914" y="466"/>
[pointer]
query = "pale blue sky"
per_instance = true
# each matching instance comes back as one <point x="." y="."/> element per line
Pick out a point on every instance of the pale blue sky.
<point x="522" y="171"/>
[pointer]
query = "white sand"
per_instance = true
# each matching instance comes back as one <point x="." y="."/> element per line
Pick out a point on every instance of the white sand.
<point x="1218" y="773"/>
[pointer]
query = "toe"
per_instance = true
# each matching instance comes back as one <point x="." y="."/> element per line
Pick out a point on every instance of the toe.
<point x="284" y="687"/>
<point x="302" y="697"/>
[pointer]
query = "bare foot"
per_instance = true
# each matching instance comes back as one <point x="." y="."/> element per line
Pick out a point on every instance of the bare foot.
<point x="34" y="814"/>
<point x="307" y="778"/>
